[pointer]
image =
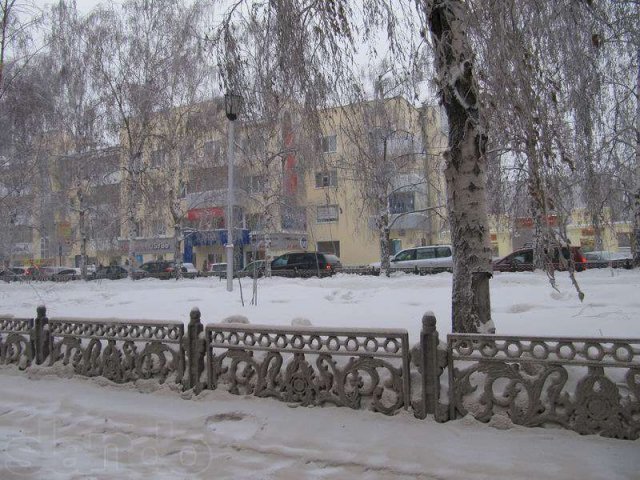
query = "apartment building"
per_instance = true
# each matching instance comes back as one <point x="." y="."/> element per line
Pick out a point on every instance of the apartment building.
<point x="299" y="184"/>
<point x="85" y="208"/>
<point x="336" y="183"/>
<point x="379" y="168"/>
<point x="174" y="199"/>
<point x="54" y="200"/>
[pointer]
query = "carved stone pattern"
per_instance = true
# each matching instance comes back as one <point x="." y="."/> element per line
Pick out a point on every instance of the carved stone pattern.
<point x="141" y="356"/>
<point x="298" y="366"/>
<point x="536" y="393"/>
<point x="578" y="351"/>
<point x="15" y="342"/>
<point x="10" y="324"/>
<point x="166" y="333"/>
<point x="375" y="343"/>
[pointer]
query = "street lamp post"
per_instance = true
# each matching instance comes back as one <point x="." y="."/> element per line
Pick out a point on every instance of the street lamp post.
<point x="232" y="105"/>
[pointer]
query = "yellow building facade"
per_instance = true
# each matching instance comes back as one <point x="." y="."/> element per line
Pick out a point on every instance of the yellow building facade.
<point x="330" y="185"/>
<point x="379" y="159"/>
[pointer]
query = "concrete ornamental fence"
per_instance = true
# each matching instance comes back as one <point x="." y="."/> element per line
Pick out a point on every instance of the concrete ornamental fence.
<point x="589" y="385"/>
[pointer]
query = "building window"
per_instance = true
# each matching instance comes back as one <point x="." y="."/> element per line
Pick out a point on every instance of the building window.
<point x="188" y="154"/>
<point x="327" y="179"/>
<point x="22" y="234"/>
<point x="402" y="202"/>
<point x="255" y="183"/>
<point x="293" y="218"/>
<point x="44" y="247"/>
<point x="254" y="221"/>
<point x="327" y="213"/>
<point x="158" y="228"/>
<point x="213" y="150"/>
<point x="157" y="158"/>
<point x="329" y="144"/>
<point x="332" y="247"/>
<point x="624" y="240"/>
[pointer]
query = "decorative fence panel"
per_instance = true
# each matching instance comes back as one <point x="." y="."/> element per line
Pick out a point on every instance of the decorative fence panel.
<point x="312" y="366"/>
<point x="120" y="351"/>
<point x="15" y="341"/>
<point x="589" y="385"/>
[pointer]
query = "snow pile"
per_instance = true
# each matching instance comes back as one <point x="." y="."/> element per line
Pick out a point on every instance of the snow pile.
<point x="93" y="428"/>
<point x="84" y="428"/>
<point x="522" y="303"/>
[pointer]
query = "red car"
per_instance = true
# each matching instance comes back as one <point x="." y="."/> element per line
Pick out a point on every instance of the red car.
<point x="522" y="260"/>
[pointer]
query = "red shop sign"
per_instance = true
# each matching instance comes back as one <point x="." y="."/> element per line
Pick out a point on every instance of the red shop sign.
<point x="205" y="213"/>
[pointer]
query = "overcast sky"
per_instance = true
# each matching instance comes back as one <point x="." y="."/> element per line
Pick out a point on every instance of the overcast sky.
<point x="84" y="6"/>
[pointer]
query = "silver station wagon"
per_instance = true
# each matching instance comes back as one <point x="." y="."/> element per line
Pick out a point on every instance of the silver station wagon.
<point x="436" y="256"/>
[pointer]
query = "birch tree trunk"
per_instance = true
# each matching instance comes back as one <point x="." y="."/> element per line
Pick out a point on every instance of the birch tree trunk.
<point x="177" y="251"/>
<point x="385" y="246"/>
<point x="83" y="245"/>
<point x="131" y="208"/>
<point x="82" y="230"/>
<point x="538" y="206"/>
<point x="465" y="169"/>
<point x="636" y="196"/>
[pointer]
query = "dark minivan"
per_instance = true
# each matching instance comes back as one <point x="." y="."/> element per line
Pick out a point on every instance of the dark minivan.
<point x="164" y="269"/>
<point x="306" y="264"/>
<point x="522" y="260"/>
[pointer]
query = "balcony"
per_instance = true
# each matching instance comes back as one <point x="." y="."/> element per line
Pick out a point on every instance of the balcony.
<point x="213" y="198"/>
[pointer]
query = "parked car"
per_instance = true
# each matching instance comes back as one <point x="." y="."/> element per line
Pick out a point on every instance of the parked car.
<point x="60" y="274"/>
<point x="189" y="270"/>
<point x="116" y="272"/>
<point x="258" y="267"/>
<point x="429" y="256"/>
<point x="34" y="272"/>
<point x="160" y="268"/>
<point x="602" y="259"/>
<point x="167" y="269"/>
<point x="522" y="260"/>
<point x="435" y="256"/>
<point x="12" y="274"/>
<point x="306" y="264"/>
<point x="218" y="269"/>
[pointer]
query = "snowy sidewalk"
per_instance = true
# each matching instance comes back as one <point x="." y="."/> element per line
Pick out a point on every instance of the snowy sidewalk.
<point x="61" y="428"/>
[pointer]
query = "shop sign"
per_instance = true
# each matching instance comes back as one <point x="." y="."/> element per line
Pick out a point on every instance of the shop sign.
<point x="22" y="248"/>
<point x="527" y="222"/>
<point x="280" y="241"/>
<point x="196" y="214"/>
<point x="64" y="229"/>
<point x="149" y="245"/>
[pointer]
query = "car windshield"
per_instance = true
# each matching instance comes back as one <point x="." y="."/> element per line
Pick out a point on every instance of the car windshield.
<point x="405" y="255"/>
<point x="280" y="261"/>
<point x="254" y="265"/>
<point x="332" y="259"/>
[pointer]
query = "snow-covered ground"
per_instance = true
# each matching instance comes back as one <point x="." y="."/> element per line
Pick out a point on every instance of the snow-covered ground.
<point x="522" y="303"/>
<point x="58" y="426"/>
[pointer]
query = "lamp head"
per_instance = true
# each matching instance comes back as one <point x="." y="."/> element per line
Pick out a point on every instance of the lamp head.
<point x="232" y="105"/>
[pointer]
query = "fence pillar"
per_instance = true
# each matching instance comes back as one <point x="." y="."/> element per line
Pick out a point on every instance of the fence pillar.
<point x="195" y="351"/>
<point x="40" y="335"/>
<point x="430" y="370"/>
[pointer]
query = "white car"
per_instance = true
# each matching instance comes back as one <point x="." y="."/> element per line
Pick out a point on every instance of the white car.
<point x="189" y="270"/>
<point x="218" y="268"/>
<point x="430" y="256"/>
